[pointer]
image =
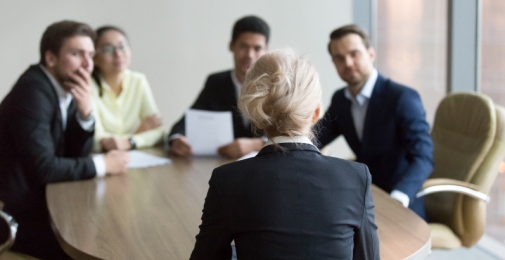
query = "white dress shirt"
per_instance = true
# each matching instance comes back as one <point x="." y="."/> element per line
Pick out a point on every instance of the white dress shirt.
<point x="359" y="104"/>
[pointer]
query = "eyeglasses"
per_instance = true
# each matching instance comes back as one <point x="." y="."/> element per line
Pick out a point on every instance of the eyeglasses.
<point x="111" y="49"/>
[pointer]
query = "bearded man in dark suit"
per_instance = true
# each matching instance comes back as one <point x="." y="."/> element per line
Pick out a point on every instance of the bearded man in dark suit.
<point x="383" y="122"/>
<point x="46" y="134"/>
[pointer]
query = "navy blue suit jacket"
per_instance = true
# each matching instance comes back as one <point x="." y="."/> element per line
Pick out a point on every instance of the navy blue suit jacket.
<point x="218" y="94"/>
<point x="289" y="205"/>
<point x="396" y="144"/>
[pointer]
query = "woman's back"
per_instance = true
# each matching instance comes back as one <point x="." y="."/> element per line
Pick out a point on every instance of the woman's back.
<point x="293" y="205"/>
<point x="288" y="202"/>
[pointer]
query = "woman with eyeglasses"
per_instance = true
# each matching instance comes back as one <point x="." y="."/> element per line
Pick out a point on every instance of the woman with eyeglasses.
<point x="125" y="111"/>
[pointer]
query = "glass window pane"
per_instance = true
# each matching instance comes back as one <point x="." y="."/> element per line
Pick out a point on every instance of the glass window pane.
<point x="491" y="83"/>
<point x="493" y="50"/>
<point x="412" y="47"/>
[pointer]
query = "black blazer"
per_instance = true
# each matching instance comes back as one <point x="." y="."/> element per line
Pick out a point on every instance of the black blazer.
<point x="219" y="94"/>
<point x="289" y="205"/>
<point x="396" y="144"/>
<point x="34" y="149"/>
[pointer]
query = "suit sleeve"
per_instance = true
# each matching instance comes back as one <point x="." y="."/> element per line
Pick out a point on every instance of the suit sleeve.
<point x="366" y="240"/>
<point x="214" y="239"/>
<point x="327" y="128"/>
<point x="32" y="123"/>
<point x="203" y="102"/>
<point x="414" y="132"/>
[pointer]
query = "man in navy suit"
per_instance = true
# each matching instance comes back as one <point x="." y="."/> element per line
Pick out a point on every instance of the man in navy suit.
<point x="382" y="121"/>
<point x="249" y="41"/>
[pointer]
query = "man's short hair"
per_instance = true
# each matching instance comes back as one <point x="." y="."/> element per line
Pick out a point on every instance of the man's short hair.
<point x="349" y="29"/>
<point x="58" y="32"/>
<point x="252" y="24"/>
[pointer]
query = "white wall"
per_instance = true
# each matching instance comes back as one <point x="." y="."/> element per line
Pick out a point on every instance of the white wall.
<point x="176" y="43"/>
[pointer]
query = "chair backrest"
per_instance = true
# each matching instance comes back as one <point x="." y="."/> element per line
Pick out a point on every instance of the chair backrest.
<point x="474" y="211"/>
<point x="464" y="136"/>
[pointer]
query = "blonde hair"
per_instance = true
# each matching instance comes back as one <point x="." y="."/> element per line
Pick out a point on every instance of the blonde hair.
<point x="280" y="94"/>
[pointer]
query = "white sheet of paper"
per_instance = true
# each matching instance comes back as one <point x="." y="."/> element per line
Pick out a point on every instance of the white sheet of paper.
<point x="139" y="159"/>
<point x="208" y="130"/>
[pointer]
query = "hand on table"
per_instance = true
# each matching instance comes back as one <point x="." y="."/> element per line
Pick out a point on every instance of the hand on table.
<point x="116" y="162"/>
<point x="181" y="147"/>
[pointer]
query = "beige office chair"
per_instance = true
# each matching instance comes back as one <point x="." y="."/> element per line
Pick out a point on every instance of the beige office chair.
<point x="469" y="144"/>
<point x="8" y="229"/>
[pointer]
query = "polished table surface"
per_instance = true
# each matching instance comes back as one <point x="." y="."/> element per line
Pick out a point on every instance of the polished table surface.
<point x="154" y="213"/>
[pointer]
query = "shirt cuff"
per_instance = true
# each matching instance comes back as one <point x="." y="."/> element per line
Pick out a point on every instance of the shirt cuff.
<point x="87" y="123"/>
<point x="99" y="161"/>
<point x="173" y="137"/>
<point x="401" y="197"/>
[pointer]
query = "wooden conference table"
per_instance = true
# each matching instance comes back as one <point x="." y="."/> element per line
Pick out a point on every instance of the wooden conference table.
<point x="154" y="213"/>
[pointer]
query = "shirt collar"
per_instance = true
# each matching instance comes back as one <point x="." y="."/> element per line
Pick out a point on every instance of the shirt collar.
<point x="106" y="86"/>
<point x="287" y="139"/>
<point x="366" y="91"/>
<point x="62" y="94"/>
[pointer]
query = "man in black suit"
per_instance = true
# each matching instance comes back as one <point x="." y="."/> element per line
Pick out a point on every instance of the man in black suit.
<point x="249" y="41"/>
<point x="383" y="122"/>
<point x="46" y="134"/>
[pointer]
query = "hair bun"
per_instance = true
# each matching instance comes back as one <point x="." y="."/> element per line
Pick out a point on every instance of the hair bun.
<point x="281" y="93"/>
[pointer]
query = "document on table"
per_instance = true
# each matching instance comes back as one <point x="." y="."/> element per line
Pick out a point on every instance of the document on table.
<point x="208" y="130"/>
<point x="139" y="159"/>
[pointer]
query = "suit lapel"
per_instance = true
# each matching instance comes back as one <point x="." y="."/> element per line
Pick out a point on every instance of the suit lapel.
<point x="52" y="93"/>
<point x="57" y="130"/>
<point x="374" y="108"/>
<point x="347" y="125"/>
<point x="290" y="146"/>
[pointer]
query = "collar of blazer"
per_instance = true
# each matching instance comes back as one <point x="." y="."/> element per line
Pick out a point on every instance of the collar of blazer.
<point x="287" y="147"/>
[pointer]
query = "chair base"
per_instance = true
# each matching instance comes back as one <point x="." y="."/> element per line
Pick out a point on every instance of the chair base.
<point x="442" y="237"/>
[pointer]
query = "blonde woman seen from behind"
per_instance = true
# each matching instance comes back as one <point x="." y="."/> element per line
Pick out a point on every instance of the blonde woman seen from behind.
<point x="126" y="113"/>
<point x="289" y="201"/>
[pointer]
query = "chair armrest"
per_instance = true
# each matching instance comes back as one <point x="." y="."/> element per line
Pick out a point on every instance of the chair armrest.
<point x="450" y="185"/>
<point x="13" y="228"/>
